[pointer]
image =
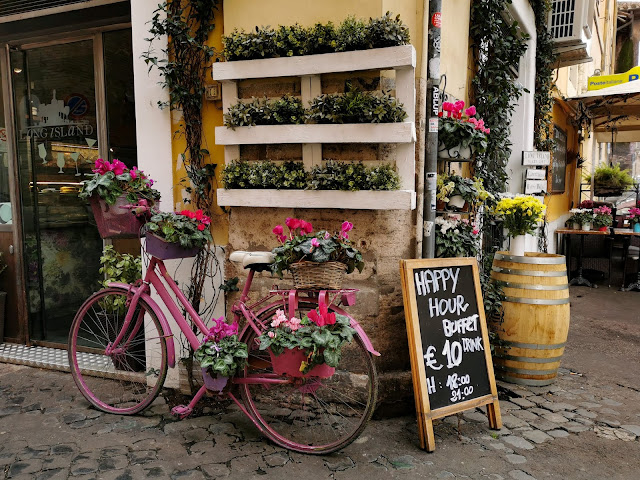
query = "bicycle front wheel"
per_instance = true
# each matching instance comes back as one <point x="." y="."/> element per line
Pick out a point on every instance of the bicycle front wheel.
<point x="128" y="379"/>
<point x="311" y="415"/>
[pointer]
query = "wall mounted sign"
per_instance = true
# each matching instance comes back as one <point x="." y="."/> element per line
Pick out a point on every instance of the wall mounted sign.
<point x="536" y="174"/>
<point x="534" y="186"/>
<point x="538" y="159"/>
<point x="559" y="167"/>
<point x="597" y="82"/>
<point x="448" y="341"/>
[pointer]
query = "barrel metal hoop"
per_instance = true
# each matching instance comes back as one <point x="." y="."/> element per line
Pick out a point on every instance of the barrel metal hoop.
<point x="530" y="273"/>
<point x="559" y="260"/>
<point x="529" y="359"/>
<point x="525" y="381"/>
<point x="524" y="371"/>
<point x="536" y="346"/>
<point x="529" y="286"/>
<point x="537" y="301"/>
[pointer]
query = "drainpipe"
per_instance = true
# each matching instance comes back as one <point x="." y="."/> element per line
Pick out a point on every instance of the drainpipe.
<point x="433" y="20"/>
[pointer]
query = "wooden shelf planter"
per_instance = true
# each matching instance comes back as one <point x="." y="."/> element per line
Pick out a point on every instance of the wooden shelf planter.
<point x="402" y="59"/>
<point x="358" y="200"/>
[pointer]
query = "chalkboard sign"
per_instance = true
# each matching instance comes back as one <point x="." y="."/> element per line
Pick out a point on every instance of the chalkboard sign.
<point x="559" y="164"/>
<point x="448" y="341"/>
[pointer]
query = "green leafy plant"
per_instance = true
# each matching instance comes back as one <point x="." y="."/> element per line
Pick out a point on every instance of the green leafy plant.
<point x="355" y="106"/>
<point x="295" y="40"/>
<point x="187" y="228"/>
<point x="121" y="268"/>
<point x="456" y="128"/>
<point x="222" y="353"/>
<point x="111" y="180"/>
<point x="338" y="176"/>
<point x="456" y="238"/>
<point x="301" y="244"/>
<point x="602" y="217"/>
<point x="230" y="285"/>
<point x="320" y="335"/>
<point x="610" y="177"/>
<point x="382" y="177"/>
<point x="260" y="111"/>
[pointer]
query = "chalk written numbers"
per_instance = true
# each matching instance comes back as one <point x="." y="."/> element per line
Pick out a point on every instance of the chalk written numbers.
<point x="452" y="342"/>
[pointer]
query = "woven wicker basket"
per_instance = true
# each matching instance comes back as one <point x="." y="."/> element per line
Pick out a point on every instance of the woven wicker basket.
<point x="318" y="275"/>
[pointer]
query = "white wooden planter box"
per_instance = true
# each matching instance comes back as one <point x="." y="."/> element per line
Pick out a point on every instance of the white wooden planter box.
<point x="402" y="59"/>
<point x="360" y="200"/>
<point x="345" y="133"/>
<point x="378" y="58"/>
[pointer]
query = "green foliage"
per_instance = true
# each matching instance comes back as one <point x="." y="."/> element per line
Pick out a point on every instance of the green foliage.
<point x="121" y="268"/>
<point x="320" y="344"/>
<point x="330" y="248"/>
<point x="109" y="186"/>
<point x="456" y="238"/>
<point x="610" y="177"/>
<point x="178" y="228"/>
<point x="453" y="132"/>
<point x="355" y="106"/>
<point x="230" y="285"/>
<point x="260" y="111"/>
<point x="226" y="357"/>
<point x="290" y="41"/>
<point x="545" y="67"/>
<point x="333" y="175"/>
<point x="492" y="297"/>
<point x="498" y="46"/>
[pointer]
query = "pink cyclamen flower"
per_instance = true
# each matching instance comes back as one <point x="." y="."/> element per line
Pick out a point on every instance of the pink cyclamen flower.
<point x="447" y="106"/>
<point x="476" y="231"/>
<point x="201" y="227"/>
<point x="278" y="230"/>
<point x="347" y="226"/>
<point x="102" y="166"/>
<point x="305" y="227"/>
<point x="271" y="334"/>
<point x="473" y="121"/>
<point x="327" y="235"/>
<point x="314" y="242"/>
<point x="282" y="238"/>
<point x="487" y="131"/>
<point x="292" y="223"/>
<point x="118" y="167"/>
<point x="134" y="173"/>
<point x="471" y="111"/>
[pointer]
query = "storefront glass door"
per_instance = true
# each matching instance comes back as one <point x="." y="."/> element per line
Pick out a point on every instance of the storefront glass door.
<point x="62" y="127"/>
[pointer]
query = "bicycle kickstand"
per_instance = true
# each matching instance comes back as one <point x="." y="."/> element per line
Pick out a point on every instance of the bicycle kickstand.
<point x="183" y="411"/>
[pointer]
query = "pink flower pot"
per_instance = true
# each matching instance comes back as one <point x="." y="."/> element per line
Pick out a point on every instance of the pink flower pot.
<point x="216" y="383"/>
<point x="157" y="247"/>
<point x="114" y="221"/>
<point x="289" y="361"/>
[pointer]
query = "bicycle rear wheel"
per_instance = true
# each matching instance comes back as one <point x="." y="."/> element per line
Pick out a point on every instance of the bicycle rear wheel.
<point x="127" y="381"/>
<point x="312" y="415"/>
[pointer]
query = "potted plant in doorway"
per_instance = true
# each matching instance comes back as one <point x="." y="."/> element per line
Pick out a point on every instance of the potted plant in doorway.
<point x="112" y="187"/>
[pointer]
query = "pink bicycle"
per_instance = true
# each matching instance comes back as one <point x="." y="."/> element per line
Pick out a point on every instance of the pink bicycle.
<point x="120" y="346"/>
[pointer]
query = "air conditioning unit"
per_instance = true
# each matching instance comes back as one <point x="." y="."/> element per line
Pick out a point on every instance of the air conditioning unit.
<point x="570" y="21"/>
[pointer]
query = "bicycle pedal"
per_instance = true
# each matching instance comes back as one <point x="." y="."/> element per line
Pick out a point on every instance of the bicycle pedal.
<point x="181" y="411"/>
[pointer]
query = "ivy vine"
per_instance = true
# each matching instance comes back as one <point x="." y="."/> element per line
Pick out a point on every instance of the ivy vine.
<point x="183" y="67"/>
<point x="545" y="66"/>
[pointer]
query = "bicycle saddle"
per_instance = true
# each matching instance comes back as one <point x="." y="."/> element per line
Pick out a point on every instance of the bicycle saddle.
<point x="258" y="261"/>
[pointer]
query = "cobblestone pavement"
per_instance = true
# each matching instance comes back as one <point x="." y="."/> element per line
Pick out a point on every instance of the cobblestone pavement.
<point x="586" y="426"/>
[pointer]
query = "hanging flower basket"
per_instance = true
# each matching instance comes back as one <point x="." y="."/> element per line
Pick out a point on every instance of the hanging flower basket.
<point x="456" y="153"/>
<point x="328" y="275"/>
<point x="599" y="191"/>
<point x="114" y="221"/>
<point x="163" y="250"/>
<point x="289" y="361"/>
<point x="214" y="383"/>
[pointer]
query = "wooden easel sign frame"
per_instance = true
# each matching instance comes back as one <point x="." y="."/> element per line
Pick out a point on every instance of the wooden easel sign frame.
<point x="448" y="342"/>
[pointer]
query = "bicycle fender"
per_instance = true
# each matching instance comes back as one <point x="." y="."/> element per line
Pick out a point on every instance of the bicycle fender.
<point x="358" y="328"/>
<point x="171" y="349"/>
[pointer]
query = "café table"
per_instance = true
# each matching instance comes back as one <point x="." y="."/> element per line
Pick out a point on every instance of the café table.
<point x="566" y="233"/>
<point x="627" y="234"/>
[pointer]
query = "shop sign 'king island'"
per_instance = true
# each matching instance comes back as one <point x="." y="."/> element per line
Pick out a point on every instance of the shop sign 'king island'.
<point x="448" y="342"/>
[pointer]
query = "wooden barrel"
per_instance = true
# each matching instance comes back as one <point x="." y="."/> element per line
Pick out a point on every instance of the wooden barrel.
<point x="536" y="317"/>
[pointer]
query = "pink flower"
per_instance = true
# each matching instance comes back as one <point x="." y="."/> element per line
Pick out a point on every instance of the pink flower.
<point x="292" y="223"/>
<point x="102" y="166"/>
<point x="473" y="121"/>
<point x="201" y="227"/>
<point x="277" y="230"/>
<point x="314" y="242"/>
<point x="323" y="317"/>
<point x="278" y="319"/>
<point x="487" y="131"/>
<point x="305" y="227"/>
<point x="476" y="231"/>
<point x="221" y="329"/>
<point x="327" y="235"/>
<point x="347" y="226"/>
<point x="471" y="111"/>
<point x="118" y="167"/>
<point x="134" y="173"/>
<point x="447" y="106"/>
<point x="480" y="125"/>
<point x="271" y="334"/>
<point x="282" y="238"/>
<point x="293" y="323"/>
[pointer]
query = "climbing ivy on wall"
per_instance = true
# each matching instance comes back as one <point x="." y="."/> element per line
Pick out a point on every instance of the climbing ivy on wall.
<point x="498" y="45"/>
<point x="545" y="66"/>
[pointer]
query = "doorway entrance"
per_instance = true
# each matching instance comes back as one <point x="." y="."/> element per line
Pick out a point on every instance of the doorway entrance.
<point x="73" y="103"/>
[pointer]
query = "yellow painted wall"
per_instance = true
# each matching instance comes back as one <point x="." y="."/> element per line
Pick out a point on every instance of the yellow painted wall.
<point x="211" y="117"/>
<point x="454" y="56"/>
<point x="559" y="203"/>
